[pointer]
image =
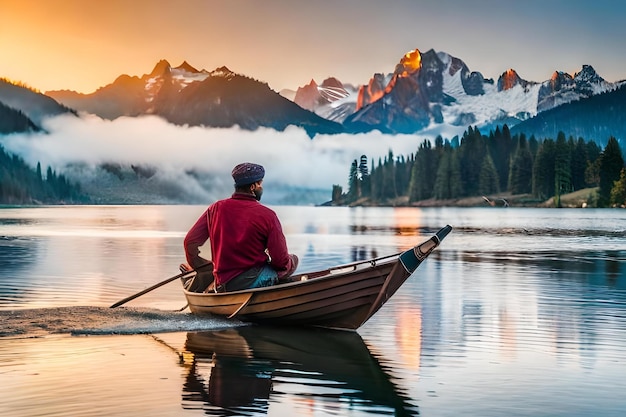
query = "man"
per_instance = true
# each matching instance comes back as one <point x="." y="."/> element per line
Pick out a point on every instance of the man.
<point x="247" y="241"/>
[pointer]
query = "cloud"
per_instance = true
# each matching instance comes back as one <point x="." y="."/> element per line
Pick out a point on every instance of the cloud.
<point x="290" y="157"/>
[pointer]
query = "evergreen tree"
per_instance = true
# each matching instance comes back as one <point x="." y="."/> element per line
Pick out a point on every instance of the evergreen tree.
<point x="38" y="172"/>
<point x="422" y="180"/>
<point x="593" y="150"/>
<point x="543" y="170"/>
<point x="611" y="165"/>
<point x="579" y="164"/>
<point x="592" y="173"/>
<point x="533" y="146"/>
<point x="390" y="190"/>
<point x="500" y="145"/>
<point x="520" y="177"/>
<point x="353" y="182"/>
<point x="448" y="179"/>
<point x="489" y="181"/>
<point x="363" y="172"/>
<point x="402" y="179"/>
<point x="471" y="154"/>
<point x="618" y="192"/>
<point x="562" y="169"/>
<point x="364" y="177"/>
<point x="408" y="169"/>
<point x="377" y="183"/>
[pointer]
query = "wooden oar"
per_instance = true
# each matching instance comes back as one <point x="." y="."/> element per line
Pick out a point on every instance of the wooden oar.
<point x="160" y="284"/>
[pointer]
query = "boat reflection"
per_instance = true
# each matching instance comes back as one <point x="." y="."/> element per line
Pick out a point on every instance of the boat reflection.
<point x="252" y="369"/>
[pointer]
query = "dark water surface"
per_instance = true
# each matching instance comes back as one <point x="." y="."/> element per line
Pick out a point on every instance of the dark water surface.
<point x="520" y="312"/>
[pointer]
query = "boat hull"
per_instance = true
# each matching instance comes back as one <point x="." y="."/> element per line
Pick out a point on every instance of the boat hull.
<point x="344" y="297"/>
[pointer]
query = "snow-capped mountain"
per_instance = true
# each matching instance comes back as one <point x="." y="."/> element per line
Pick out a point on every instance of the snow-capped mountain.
<point x="563" y="88"/>
<point x="186" y="96"/>
<point x="436" y="91"/>
<point x="133" y="96"/>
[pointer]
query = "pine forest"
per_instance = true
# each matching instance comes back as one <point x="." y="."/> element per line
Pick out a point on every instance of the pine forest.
<point x="485" y="166"/>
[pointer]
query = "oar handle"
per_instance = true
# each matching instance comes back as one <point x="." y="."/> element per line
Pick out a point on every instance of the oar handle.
<point x="155" y="286"/>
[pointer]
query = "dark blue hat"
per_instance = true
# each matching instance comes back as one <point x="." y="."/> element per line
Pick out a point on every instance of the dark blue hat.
<point x="247" y="173"/>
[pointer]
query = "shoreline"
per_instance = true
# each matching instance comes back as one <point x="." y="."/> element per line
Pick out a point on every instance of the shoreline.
<point x="579" y="199"/>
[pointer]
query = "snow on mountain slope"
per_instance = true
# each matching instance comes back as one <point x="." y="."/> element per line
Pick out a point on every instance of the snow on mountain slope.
<point x="452" y="84"/>
<point x="180" y="77"/>
<point x="493" y="105"/>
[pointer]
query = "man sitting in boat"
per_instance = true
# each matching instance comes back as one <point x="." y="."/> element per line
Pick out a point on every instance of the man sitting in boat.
<point x="247" y="242"/>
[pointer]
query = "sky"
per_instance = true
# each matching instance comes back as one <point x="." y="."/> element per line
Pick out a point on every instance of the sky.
<point x="83" y="45"/>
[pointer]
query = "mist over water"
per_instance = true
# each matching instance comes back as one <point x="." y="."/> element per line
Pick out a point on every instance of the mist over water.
<point x="179" y="153"/>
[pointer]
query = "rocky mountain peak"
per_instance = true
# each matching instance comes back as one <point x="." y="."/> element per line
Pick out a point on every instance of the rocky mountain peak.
<point x="222" y="72"/>
<point x="311" y="96"/>
<point x="409" y="63"/>
<point x="374" y="90"/>
<point x="510" y="79"/>
<point x="307" y="96"/>
<point x="188" y="68"/>
<point x="332" y="90"/>
<point x="589" y="75"/>
<point x="161" y="68"/>
<point x="559" y="80"/>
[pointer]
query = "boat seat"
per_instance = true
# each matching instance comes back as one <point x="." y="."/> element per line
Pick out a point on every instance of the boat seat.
<point x="203" y="281"/>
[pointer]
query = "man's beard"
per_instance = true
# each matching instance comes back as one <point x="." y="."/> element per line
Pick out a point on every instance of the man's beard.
<point x="258" y="192"/>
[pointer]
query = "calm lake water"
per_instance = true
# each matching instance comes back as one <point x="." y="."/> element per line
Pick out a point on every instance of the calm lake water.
<point x="520" y="312"/>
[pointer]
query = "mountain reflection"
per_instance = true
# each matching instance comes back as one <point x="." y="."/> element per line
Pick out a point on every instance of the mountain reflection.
<point x="245" y="370"/>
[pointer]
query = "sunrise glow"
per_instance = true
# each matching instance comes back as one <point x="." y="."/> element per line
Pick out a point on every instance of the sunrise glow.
<point x="56" y="45"/>
<point x="508" y="79"/>
<point x="411" y="61"/>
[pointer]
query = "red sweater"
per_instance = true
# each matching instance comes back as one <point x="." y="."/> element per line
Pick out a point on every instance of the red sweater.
<point x="240" y="229"/>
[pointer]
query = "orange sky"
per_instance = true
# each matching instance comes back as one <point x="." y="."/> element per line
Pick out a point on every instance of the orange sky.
<point x="82" y="45"/>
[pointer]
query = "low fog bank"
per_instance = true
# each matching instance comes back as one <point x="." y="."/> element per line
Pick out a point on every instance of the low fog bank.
<point x="147" y="160"/>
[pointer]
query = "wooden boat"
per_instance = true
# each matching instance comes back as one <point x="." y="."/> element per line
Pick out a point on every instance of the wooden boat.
<point x="342" y="297"/>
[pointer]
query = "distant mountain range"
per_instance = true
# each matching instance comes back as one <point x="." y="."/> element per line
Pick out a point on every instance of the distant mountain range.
<point x="185" y="96"/>
<point x="436" y="92"/>
<point x="427" y="93"/>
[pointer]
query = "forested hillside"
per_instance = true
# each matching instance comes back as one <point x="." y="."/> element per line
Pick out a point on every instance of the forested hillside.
<point x="20" y="184"/>
<point x="12" y="121"/>
<point x="480" y="165"/>
<point x="595" y="118"/>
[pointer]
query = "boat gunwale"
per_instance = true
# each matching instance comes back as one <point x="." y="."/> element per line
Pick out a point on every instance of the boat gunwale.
<point x="315" y="280"/>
